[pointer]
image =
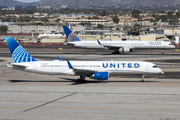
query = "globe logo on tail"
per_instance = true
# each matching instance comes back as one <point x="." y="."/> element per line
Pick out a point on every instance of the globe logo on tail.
<point x="21" y="55"/>
<point x="72" y="37"/>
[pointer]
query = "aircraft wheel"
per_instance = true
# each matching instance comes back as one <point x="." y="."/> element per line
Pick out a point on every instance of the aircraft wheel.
<point x="115" y="52"/>
<point x="81" y="80"/>
<point x="142" y="80"/>
<point x="163" y="52"/>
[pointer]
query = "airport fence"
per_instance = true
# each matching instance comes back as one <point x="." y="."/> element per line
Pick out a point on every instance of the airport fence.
<point x="36" y="44"/>
<point x="176" y="44"/>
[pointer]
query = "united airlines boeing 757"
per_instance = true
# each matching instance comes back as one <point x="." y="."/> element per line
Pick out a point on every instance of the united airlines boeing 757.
<point x="118" y="46"/>
<point x="100" y="70"/>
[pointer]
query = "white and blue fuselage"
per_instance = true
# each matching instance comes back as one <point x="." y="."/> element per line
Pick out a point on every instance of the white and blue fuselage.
<point x="122" y="44"/>
<point x="118" y="46"/>
<point x="112" y="67"/>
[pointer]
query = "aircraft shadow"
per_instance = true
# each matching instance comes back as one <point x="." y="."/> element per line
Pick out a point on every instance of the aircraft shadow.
<point x="16" y="81"/>
<point x="75" y="82"/>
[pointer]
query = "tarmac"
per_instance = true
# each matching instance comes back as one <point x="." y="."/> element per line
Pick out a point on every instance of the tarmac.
<point x="28" y="96"/>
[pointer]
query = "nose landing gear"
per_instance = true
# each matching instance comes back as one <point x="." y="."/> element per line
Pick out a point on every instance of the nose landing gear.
<point x="163" y="52"/>
<point x="142" y="80"/>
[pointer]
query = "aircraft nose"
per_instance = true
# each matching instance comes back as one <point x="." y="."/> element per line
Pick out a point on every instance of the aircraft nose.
<point x="160" y="71"/>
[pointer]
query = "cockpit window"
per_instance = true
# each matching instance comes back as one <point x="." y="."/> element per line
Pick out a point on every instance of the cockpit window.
<point x="170" y="44"/>
<point x="155" y="66"/>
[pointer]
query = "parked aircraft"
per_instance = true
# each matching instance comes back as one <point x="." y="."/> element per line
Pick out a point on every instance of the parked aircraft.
<point x="119" y="46"/>
<point x="99" y="70"/>
<point x="50" y="35"/>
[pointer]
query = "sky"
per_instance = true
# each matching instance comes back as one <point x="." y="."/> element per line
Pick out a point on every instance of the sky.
<point x="27" y="1"/>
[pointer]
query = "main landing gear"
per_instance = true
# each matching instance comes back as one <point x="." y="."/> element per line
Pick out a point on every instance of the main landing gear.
<point x="142" y="80"/>
<point x="163" y="52"/>
<point x="82" y="79"/>
<point x="115" y="52"/>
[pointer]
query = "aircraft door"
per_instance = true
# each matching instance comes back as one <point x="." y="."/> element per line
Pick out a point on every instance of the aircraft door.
<point x="35" y="66"/>
<point x="147" y="67"/>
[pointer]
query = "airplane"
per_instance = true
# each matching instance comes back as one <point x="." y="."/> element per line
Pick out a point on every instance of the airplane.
<point x="99" y="70"/>
<point x="50" y="35"/>
<point x="119" y="46"/>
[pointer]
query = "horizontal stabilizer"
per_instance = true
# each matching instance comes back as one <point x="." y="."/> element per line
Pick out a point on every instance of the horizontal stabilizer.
<point x="15" y="66"/>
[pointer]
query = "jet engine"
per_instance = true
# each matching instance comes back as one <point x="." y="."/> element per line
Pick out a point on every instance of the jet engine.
<point x="100" y="76"/>
<point x="125" y="49"/>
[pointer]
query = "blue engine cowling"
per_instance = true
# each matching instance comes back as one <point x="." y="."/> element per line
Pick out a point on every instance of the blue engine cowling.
<point x="100" y="75"/>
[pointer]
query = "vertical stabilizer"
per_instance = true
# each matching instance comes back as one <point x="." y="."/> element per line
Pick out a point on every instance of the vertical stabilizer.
<point x="71" y="37"/>
<point x="19" y="54"/>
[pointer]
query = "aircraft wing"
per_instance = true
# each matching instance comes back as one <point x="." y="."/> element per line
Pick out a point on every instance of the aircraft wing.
<point x="86" y="71"/>
<point x="111" y="46"/>
<point x="76" y="70"/>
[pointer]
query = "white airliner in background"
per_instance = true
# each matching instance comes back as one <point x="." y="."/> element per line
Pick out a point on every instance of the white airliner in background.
<point x="100" y="70"/>
<point x="50" y="35"/>
<point x="118" y="46"/>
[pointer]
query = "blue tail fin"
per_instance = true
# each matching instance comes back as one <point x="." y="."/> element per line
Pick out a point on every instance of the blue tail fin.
<point x="17" y="51"/>
<point x="71" y="37"/>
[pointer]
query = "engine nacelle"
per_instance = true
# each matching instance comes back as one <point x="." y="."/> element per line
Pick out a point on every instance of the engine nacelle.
<point x="125" y="49"/>
<point x="100" y="76"/>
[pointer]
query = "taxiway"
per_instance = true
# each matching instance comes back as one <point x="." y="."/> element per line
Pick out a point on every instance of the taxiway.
<point x="28" y="96"/>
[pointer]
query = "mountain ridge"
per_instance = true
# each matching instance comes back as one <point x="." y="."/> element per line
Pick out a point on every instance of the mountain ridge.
<point x="110" y="3"/>
<point x="11" y="3"/>
<point x="98" y="3"/>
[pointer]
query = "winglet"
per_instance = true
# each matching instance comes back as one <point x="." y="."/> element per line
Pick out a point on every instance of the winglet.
<point x="69" y="64"/>
<point x="111" y="39"/>
<point x="98" y="42"/>
<point x="59" y="58"/>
